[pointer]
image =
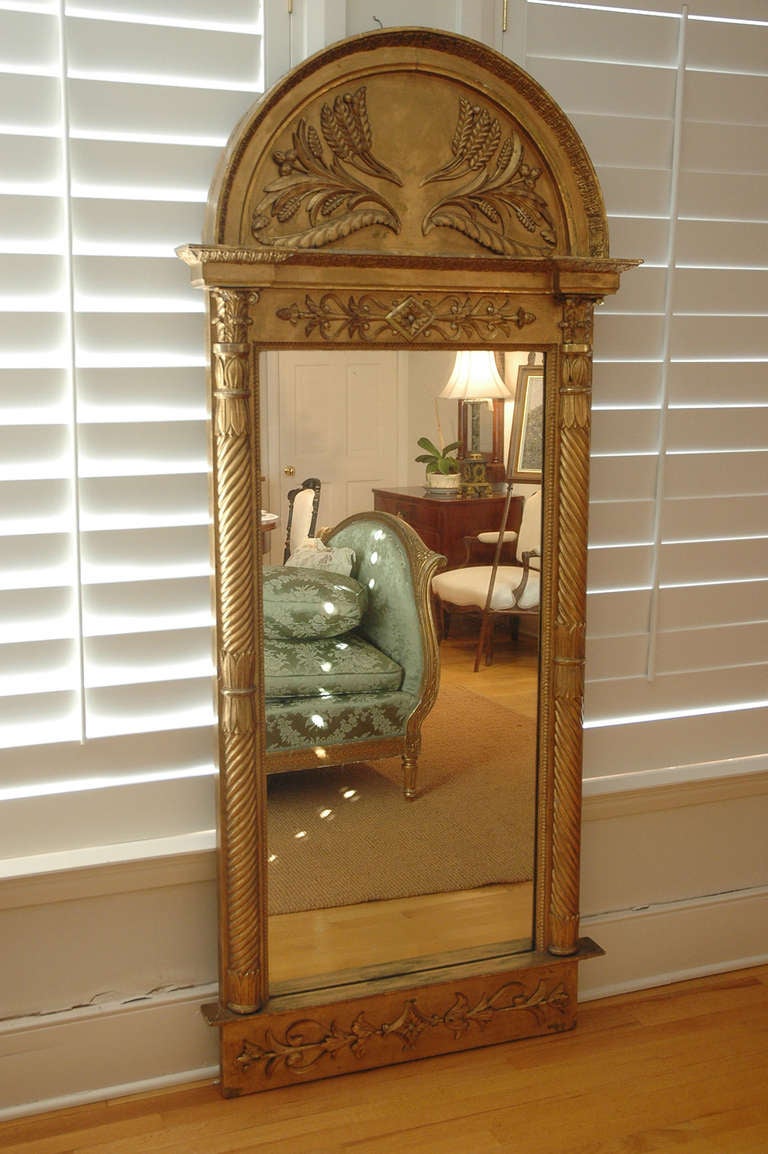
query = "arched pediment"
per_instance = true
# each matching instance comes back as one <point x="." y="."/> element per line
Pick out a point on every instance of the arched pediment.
<point x="408" y="143"/>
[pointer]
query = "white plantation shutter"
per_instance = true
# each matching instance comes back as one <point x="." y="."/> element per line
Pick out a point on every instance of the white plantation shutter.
<point x="112" y="118"/>
<point x="673" y="107"/>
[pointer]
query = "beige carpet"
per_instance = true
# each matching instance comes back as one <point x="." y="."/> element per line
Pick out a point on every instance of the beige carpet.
<point x="343" y="835"/>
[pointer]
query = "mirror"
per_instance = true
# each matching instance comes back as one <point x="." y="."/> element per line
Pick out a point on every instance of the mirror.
<point x="455" y="871"/>
<point x="403" y="190"/>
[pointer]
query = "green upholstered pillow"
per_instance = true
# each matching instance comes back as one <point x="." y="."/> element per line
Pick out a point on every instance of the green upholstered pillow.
<point x="304" y="603"/>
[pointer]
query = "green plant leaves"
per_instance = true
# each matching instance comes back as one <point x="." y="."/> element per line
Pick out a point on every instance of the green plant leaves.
<point x="436" y="460"/>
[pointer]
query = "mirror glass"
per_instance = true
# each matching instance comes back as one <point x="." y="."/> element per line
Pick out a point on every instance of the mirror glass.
<point x="361" y="880"/>
<point x="480" y="427"/>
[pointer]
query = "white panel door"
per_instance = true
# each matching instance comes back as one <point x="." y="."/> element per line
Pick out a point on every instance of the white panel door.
<point x="338" y="420"/>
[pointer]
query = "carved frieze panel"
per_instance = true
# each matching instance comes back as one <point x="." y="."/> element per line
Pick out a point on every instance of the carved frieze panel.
<point x="293" y="313"/>
<point x="318" y="1041"/>
<point x="370" y="317"/>
<point x="339" y="175"/>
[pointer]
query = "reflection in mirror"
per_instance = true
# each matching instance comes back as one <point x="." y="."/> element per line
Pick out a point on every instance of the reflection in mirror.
<point x="477" y="384"/>
<point x="360" y="879"/>
<point x="527" y="429"/>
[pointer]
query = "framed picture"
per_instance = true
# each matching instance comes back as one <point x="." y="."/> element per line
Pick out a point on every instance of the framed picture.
<point x="526" y="443"/>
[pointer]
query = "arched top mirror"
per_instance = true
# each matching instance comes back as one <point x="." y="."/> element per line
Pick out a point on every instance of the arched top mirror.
<point x="406" y="191"/>
<point x="408" y="143"/>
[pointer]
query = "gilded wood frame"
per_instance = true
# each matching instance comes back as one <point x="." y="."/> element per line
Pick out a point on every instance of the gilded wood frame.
<point x="530" y="476"/>
<point x="300" y="251"/>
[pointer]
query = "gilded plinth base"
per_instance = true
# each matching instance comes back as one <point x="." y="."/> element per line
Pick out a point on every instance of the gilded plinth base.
<point x="298" y="1039"/>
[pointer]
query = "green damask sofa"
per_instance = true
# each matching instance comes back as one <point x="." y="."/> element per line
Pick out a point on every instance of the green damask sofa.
<point x="351" y="661"/>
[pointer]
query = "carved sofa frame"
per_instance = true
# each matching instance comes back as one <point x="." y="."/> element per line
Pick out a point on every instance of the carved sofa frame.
<point x="323" y="729"/>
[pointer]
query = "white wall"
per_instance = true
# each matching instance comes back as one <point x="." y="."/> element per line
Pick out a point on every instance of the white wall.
<point x="427" y="374"/>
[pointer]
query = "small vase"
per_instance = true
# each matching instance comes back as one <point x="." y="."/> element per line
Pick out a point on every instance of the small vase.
<point x="443" y="484"/>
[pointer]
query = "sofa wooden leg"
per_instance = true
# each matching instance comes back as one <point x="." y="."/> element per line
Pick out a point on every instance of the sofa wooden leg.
<point x="410" y="767"/>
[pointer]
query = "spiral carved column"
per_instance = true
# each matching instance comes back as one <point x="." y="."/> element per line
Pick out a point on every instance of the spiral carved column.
<point x="241" y="888"/>
<point x="570" y="626"/>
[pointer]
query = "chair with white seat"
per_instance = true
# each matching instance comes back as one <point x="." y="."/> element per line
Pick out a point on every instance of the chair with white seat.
<point x="303" y="504"/>
<point x="498" y="589"/>
<point x="482" y="542"/>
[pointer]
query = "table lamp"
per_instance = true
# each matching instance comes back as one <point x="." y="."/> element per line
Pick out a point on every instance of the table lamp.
<point x="474" y="379"/>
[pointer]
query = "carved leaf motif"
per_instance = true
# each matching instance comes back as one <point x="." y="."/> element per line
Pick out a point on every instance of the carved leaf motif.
<point x="474" y="229"/>
<point x="313" y="142"/>
<point x="457" y="1018"/>
<point x="325" y="234"/>
<point x="576" y="370"/>
<point x="474" y="142"/>
<point x="504" y="195"/>
<point x="347" y="131"/>
<point x="230" y="314"/>
<point x="361" y="1031"/>
<point x="326" y="190"/>
<point x="489" y="210"/>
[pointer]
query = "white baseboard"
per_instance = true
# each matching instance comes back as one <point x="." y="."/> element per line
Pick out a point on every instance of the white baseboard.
<point x="657" y="945"/>
<point x="55" y="1061"/>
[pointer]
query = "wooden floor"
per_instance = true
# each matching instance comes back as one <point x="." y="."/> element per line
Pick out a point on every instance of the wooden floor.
<point x="512" y="678"/>
<point x="380" y="936"/>
<point x="676" y="1070"/>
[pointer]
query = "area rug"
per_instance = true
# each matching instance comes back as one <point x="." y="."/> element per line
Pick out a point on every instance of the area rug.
<point x="339" y="836"/>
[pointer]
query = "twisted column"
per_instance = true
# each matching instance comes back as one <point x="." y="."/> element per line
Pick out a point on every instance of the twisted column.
<point x="570" y="621"/>
<point x="242" y="891"/>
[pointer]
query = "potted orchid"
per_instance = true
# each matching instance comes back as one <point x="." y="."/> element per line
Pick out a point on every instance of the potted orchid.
<point x="443" y="471"/>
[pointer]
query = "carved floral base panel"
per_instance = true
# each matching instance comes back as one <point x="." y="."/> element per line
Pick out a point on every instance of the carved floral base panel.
<point x="309" y="1042"/>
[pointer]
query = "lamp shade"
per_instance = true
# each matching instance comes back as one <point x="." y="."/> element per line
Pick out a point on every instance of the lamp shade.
<point x="475" y="378"/>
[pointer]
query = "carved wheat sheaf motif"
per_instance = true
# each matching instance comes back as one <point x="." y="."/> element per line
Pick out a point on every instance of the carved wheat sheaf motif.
<point x="333" y="202"/>
<point x="308" y="1041"/>
<point x="369" y="318"/>
<point x="500" y="194"/>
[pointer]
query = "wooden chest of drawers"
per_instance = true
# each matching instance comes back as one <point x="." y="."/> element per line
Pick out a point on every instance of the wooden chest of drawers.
<point x="444" y="522"/>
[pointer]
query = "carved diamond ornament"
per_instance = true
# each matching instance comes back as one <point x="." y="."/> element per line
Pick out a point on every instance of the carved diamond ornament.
<point x="411" y="317"/>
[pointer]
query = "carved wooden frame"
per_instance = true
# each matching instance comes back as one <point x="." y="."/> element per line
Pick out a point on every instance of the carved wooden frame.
<point x="525" y="375"/>
<point x="300" y="251"/>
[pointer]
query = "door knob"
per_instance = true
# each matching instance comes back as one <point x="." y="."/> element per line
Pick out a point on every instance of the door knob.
<point x="289" y="471"/>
